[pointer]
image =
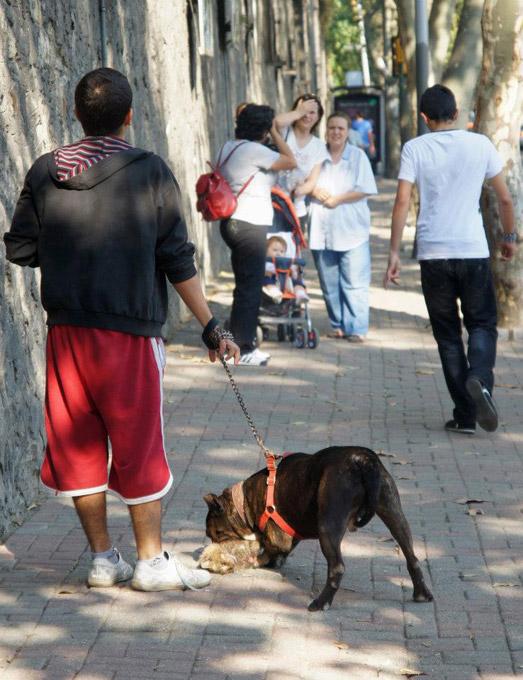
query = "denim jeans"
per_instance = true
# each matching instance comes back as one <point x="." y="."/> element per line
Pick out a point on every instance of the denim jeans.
<point x="444" y="282"/>
<point x="344" y="280"/>
<point x="248" y="244"/>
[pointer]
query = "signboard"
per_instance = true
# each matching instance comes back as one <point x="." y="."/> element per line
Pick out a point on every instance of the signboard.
<point x="399" y="62"/>
<point x="369" y="102"/>
<point x="353" y="78"/>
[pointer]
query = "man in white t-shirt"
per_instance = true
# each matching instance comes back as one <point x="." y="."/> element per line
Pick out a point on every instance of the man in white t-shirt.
<point x="449" y="167"/>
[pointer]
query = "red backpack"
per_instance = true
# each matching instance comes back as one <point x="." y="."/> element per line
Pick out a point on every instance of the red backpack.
<point x="216" y="200"/>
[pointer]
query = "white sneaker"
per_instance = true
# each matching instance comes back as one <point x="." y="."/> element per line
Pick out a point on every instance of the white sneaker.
<point x="264" y="356"/>
<point x="168" y="574"/>
<point x="104" y="574"/>
<point x="254" y="358"/>
<point x="261" y="353"/>
<point x="273" y="292"/>
<point x="302" y="296"/>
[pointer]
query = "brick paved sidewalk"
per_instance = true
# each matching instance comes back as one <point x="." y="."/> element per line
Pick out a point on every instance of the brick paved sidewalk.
<point x="388" y="394"/>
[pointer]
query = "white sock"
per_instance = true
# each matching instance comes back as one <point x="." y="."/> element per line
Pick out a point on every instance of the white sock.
<point x="158" y="562"/>
<point x="110" y="555"/>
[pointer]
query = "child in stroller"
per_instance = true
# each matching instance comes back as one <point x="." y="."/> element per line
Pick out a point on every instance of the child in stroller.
<point x="276" y="284"/>
<point x="284" y="298"/>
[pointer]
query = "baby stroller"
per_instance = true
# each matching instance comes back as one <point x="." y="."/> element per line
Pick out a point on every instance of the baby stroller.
<point x="290" y="317"/>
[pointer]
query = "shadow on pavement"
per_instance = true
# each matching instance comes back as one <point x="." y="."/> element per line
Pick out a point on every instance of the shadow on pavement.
<point x="387" y="394"/>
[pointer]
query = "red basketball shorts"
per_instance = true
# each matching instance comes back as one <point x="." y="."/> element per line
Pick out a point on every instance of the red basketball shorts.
<point x="104" y="386"/>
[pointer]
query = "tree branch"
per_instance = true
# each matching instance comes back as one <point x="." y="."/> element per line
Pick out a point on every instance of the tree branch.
<point x="463" y="67"/>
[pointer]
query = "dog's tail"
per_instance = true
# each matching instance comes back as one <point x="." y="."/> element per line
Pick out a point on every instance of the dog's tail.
<point x="371" y="480"/>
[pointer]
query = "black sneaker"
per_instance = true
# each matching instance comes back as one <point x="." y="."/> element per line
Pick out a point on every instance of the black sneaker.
<point x="454" y="426"/>
<point x="486" y="414"/>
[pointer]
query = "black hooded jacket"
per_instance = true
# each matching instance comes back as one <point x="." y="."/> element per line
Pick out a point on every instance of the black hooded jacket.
<point x="105" y="241"/>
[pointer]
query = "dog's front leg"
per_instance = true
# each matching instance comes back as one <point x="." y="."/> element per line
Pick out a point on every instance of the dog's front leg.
<point x="276" y="545"/>
<point x="261" y="560"/>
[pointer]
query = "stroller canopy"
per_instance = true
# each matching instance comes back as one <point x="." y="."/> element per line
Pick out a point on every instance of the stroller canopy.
<point x="285" y="217"/>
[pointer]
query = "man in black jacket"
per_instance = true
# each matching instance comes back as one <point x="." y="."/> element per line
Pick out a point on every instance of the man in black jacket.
<point x="103" y="221"/>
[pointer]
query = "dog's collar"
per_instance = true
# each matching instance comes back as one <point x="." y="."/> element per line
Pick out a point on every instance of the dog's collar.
<point x="238" y="501"/>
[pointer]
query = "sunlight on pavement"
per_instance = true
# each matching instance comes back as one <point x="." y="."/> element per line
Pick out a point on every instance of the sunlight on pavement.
<point x="388" y="394"/>
<point x="403" y="301"/>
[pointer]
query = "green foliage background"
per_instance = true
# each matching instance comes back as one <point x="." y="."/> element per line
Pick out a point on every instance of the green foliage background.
<point x="341" y="39"/>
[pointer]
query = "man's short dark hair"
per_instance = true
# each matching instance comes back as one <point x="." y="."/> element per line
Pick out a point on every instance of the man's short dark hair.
<point x="254" y="122"/>
<point x="102" y="99"/>
<point x="438" y="103"/>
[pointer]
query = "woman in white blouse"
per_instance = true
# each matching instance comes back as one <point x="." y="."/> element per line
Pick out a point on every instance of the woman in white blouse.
<point x="297" y="127"/>
<point x="339" y="232"/>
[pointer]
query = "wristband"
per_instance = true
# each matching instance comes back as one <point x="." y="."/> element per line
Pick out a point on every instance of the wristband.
<point x="212" y="334"/>
<point x="511" y="237"/>
<point x="211" y="325"/>
<point x="207" y="333"/>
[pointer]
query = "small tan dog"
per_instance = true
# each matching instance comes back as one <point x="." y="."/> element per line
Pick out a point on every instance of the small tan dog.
<point x="233" y="555"/>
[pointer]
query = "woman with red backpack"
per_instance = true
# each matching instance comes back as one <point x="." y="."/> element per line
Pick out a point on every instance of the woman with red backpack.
<point x="250" y="168"/>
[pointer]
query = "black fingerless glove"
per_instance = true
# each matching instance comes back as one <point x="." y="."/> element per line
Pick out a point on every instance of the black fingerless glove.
<point x="212" y="334"/>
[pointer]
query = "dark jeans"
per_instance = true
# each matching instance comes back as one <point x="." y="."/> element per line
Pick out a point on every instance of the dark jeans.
<point x="445" y="282"/>
<point x="248" y="244"/>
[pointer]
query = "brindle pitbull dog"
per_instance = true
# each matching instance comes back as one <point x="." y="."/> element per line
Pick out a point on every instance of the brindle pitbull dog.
<point x="320" y="496"/>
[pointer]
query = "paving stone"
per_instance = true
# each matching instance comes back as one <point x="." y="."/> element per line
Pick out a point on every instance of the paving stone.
<point x="389" y="394"/>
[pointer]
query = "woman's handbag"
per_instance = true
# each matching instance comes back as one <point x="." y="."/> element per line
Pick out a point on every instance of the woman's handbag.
<point x="216" y="200"/>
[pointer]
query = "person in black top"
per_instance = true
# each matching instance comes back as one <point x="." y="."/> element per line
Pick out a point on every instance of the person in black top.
<point x="103" y="222"/>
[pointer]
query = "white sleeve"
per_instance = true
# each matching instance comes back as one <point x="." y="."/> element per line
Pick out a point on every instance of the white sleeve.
<point x="364" y="180"/>
<point x="263" y="157"/>
<point x="494" y="161"/>
<point x="407" y="164"/>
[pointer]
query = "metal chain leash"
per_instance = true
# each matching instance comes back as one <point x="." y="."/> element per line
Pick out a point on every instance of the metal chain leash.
<point x="266" y="452"/>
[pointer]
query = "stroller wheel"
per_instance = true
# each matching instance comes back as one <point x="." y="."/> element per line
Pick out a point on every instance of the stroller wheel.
<point x="291" y="332"/>
<point x="260" y="336"/>
<point x="265" y="332"/>
<point x="313" y="339"/>
<point x="281" y="332"/>
<point x="299" y="340"/>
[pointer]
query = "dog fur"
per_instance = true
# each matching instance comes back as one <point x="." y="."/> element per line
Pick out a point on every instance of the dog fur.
<point x="320" y="496"/>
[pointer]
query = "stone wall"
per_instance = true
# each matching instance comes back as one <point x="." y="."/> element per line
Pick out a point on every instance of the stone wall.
<point x="189" y="62"/>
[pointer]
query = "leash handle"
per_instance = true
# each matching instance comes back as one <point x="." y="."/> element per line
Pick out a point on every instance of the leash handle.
<point x="266" y="452"/>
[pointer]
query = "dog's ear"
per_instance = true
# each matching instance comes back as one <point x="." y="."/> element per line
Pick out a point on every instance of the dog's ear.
<point x="213" y="503"/>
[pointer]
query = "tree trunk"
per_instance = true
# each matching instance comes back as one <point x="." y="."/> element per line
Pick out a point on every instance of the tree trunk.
<point x="462" y="70"/>
<point x="408" y="99"/>
<point x="440" y="23"/>
<point x="392" y="101"/>
<point x="498" y="115"/>
<point x="380" y="26"/>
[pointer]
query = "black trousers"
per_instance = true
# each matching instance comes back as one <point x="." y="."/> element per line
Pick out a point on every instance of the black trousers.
<point x="248" y="244"/>
<point x="444" y="282"/>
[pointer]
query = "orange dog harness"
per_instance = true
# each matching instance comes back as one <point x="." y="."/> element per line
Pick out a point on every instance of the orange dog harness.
<point x="270" y="511"/>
